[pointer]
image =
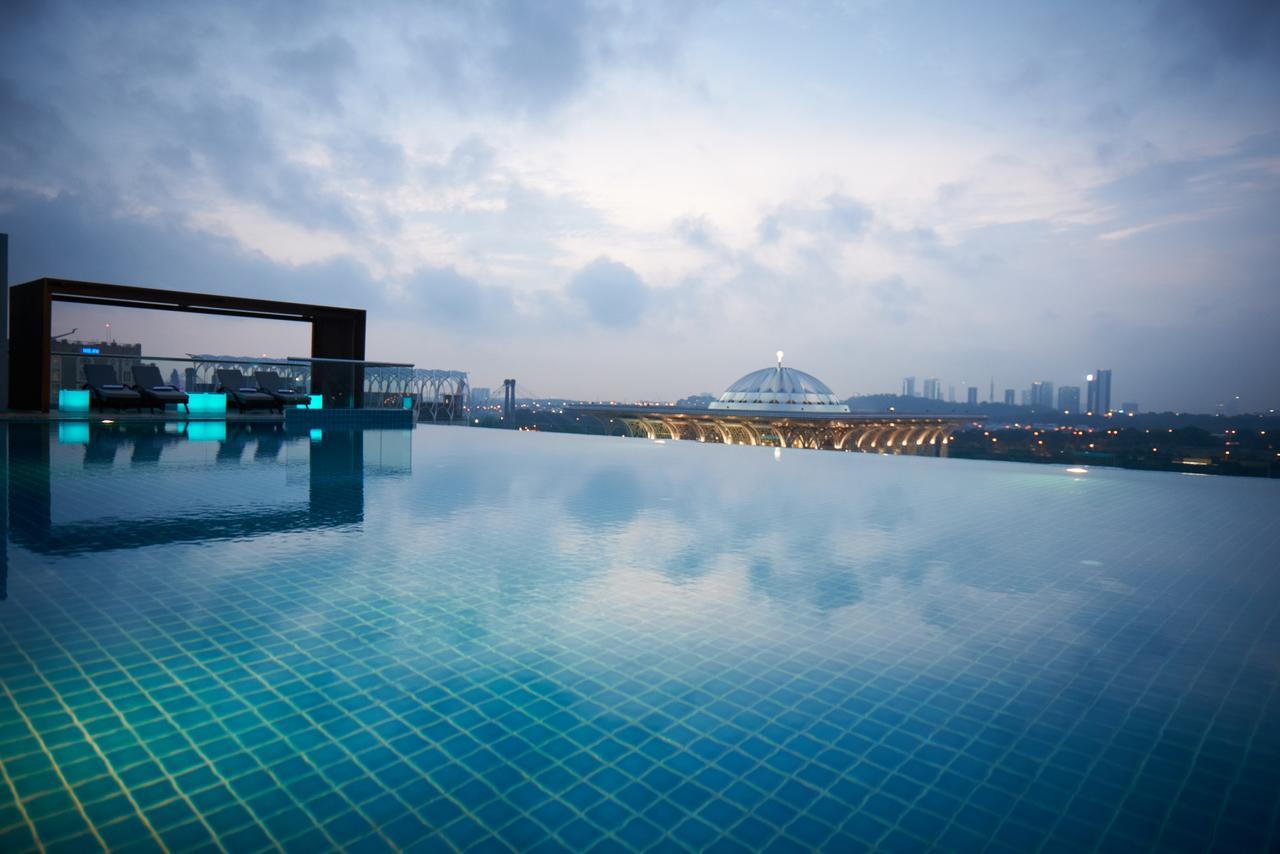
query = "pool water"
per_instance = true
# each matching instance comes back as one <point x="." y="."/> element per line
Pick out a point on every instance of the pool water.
<point x="240" y="639"/>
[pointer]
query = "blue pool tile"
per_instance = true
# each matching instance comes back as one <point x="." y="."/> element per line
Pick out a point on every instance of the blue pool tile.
<point x="968" y="692"/>
<point x="128" y="831"/>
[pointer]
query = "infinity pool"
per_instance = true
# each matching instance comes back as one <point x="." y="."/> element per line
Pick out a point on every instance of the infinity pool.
<point x="217" y="637"/>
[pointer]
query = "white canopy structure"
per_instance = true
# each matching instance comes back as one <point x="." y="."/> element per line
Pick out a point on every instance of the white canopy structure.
<point x="779" y="388"/>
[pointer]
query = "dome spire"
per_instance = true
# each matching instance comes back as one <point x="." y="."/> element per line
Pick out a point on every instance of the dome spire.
<point x="779" y="360"/>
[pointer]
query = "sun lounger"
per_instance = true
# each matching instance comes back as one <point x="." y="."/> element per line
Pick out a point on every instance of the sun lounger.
<point x="154" y="390"/>
<point x="106" y="390"/>
<point x="272" y="384"/>
<point x="243" y="394"/>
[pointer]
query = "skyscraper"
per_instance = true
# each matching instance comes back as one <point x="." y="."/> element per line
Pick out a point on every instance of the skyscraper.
<point x="1069" y="398"/>
<point x="1099" y="393"/>
<point x="909" y="387"/>
<point x="933" y="389"/>
<point x="1042" y="394"/>
<point x="973" y="396"/>
<point x="1008" y="397"/>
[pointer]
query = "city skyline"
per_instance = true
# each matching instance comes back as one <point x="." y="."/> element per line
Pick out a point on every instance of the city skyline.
<point x="210" y="331"/>
<point x="617" y="201"/>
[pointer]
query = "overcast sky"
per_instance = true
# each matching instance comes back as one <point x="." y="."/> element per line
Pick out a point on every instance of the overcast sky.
<point x="642" y="200"/>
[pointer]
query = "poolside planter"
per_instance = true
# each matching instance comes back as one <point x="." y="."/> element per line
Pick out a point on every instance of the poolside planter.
<point x="207" y="404"/>
<point x="73" y="399"/>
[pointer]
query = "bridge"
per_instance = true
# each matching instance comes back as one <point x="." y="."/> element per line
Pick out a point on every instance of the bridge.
<point x="874" y="433"/>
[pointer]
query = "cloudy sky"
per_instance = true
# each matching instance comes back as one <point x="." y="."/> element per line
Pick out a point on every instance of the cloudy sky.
<point x="638" y="200"/>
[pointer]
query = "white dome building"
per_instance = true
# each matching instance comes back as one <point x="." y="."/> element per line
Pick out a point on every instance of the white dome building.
<point x="779" y="389"/>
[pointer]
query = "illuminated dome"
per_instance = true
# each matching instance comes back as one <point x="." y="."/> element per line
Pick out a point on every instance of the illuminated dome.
<point x="780" y="388"/>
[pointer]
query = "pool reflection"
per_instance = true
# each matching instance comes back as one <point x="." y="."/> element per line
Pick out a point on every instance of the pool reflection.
<point x="152" y="483"/>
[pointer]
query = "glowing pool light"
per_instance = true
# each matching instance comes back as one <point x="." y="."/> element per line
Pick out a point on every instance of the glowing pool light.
<point x="73" y="399"/>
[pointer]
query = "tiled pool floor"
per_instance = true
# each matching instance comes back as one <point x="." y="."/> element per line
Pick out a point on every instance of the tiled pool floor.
<point x="478" y="639"/>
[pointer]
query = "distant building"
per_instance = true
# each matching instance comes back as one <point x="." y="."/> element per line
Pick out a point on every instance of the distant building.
<point x="191" y="380"/>
<point x="1008" y="397"/>
<point x="479" y="396"/>
<point x="973" y="396"/>
<point x="951" y="394"/>
<point x="933" y="389"/>
<point x="1069" y="399"/>
<point x="695" y="401"/>
<point x="909" y="387"/>
<point x="1099" y="391"/>
<point x="68" y="358"/>
<point x="174" y="379"/>
<point x="1042" y="394"/>
<point x="1129" y="406"/>
<point x="1024" y="397"/>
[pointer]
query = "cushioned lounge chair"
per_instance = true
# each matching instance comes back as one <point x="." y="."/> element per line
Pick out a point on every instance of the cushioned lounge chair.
<point x="105" y="390"/>
<point x="243" y="394"/>
<point x="154" y="390"/>
<point x="272" y="384"/>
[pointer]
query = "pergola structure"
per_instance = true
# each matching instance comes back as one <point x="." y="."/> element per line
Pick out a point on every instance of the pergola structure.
<point x="442" y="395"/>
<point x="840" y="431"/>
<point x="337" y="334"/>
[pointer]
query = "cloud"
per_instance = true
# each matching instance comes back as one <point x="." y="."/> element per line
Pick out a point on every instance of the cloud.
<point x="471" y="168"/>
<point x="1190" y="189"/>
<point x="72" y="236"/>
<point x="611" y="292"/>
<point x="36" y="142"/>
<point x="231" y="140"/>
<point x="445" y="298"/>
<point x="847" y="217"/>
<point x="533" y="57"/>
<point x="317" y="70"/>
<point x="1203" y="37"/>
<point x="369" y="158"/>
<point x="895" y="299"/>
<point x="835" y="217"/>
